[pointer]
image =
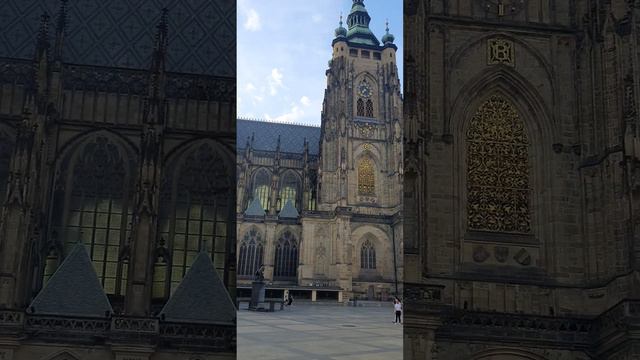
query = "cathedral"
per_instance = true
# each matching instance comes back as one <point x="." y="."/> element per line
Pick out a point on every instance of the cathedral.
<point x="117" y="142"/>
<point x="522" y="180"/>
<point x="320" y="208"/>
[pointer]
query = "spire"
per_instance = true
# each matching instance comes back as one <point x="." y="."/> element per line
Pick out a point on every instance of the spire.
<point x="43" y="35"/>
<point x="388" y="38"/>
<point x="358" y="21"/>
<point x="61" y="26"/>
<point x="340" y="31"/>
<point x="154" y="106"/>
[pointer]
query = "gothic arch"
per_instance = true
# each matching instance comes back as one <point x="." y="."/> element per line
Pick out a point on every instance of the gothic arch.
<point x="290" y="188"/>
<point x="380" y="239"/>
<point x="197" y="208"/>
<point x="371" y="105"/>
<point x="260" y="186"/>
<point x="92" y="203"/>
<point x="287" y="252"/>
<point x="539" y="127"/>
<point x="506" y="354"/>
<point x="251" y="252"/>
<point x="462" y="51"/>
<point x="368" y="149"/>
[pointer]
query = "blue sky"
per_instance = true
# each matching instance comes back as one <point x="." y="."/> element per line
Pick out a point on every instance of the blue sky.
<point x="283" y="50"/>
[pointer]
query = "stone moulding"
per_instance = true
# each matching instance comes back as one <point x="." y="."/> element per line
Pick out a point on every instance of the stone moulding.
<point x="597" y="335"/>
<point x="118" y="329"/>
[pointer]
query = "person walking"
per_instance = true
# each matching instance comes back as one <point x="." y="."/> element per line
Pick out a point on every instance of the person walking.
<point x="397" y="305"/>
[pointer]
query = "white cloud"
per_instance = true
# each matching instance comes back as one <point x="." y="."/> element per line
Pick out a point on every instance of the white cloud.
<point x="253" y="22"/>
<point x="305" y="101"/>
<point x="275" y="81"/>
<point x="294" y="115"/>
<point x="249" y="87"/>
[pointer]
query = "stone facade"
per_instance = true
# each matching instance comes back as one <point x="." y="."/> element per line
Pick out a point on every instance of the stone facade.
<point x="346" y="178"/>
<point x="127" y="161"/>
<point x="521" y="168"/>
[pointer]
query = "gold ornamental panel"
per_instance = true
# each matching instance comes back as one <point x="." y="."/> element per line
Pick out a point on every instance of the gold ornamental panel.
<point x="498" y="187"/>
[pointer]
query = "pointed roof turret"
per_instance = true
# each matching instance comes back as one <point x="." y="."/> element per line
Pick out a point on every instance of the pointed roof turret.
<point x="254" y="208"/>
<point x="358" y="21"/>
<point x="61" y="27"/>
<point x="201" y="297"/>
<point x="73" y="290"/>
<point x="289" y="211"/>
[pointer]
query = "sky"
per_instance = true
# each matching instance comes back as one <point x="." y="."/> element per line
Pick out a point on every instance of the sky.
<point x="283" y="51"/>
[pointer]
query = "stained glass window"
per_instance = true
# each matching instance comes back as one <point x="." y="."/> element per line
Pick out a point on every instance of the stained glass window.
<point x="289" y="190"/>
<point x="366" y="177"/>
<point x="367" y="255"/>
<point x="286" y="265"/>
<point x="96" y="212"/>
<point x="251" y="253"/>
<point x="262" y="188"/>
<point x="498" y="169"/>
<point x="199" y="218"/>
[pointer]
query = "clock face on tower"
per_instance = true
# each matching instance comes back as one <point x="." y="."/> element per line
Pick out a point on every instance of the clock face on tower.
<point x="364" y="90"/>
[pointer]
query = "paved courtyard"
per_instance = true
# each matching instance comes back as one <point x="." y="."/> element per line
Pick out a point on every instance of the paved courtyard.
<point x="319" y="332"/>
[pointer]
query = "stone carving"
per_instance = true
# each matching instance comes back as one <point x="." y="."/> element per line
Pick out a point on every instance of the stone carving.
<point x="501" y="253"/>
<point x="480" y="254"/>
<point x="523" y="257"/>
<point x="501" y="51"/>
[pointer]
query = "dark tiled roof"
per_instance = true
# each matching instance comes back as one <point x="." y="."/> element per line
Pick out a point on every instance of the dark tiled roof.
<point x="254" y="208"/>
<point x="73" y="290"/>
<point x="266" y="136"/>
<point x="289" y="211"/>
<point x="120" y="33"/>
<point x="201" y="296"/>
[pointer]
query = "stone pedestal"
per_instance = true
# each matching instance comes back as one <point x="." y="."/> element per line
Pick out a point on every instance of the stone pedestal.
<point x="257" y="294"/>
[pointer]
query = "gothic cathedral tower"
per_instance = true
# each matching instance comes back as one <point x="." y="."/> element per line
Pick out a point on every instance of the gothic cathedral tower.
<point x="360" y="165"/>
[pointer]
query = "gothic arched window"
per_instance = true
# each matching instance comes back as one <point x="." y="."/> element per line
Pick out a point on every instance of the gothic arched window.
<point x="367" y="256"/>
<point x="94" y="192"/>
<point x="251" y="253"/>
<point x="196" y="215"/>
<point x="366" y="177"/>
<point x="498" y="197"/>
<point x="286" y="264"/>
<point x="369" y="108"/>
<point x="289" y="190"/>
<point x="262" y="188"/>
<point x="360" y="108"/>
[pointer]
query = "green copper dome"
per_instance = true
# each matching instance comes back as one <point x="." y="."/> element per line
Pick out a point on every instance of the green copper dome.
<point x="358" y="21"/>
<point x="340" y="30"/>
<point x="388" y="38"/>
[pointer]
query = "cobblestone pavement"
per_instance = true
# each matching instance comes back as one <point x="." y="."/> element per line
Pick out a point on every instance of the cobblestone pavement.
<point x="319" y="332"/>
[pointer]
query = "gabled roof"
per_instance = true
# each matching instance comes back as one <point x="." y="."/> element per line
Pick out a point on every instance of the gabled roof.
<point x="265" y="135"/>
<point x="254" y="208"/>
<point x="73" y="290"/>
<point x="289" y="211"/>
<point x="201" y="297"/>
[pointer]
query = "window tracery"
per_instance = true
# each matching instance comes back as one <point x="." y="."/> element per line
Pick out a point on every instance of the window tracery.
<point x="367" y="256"/>
<point x="360" y="107"/>
<point x="262" y="188"/>
<point x="197" y="215"/>
<point x="286" y="261"/>
<point x="289" y="190"/>
<point x="251" y="253"/>
<point x="498" y="188"/>
<point x="96" y="212"/>
<point x="369" y="112"/>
